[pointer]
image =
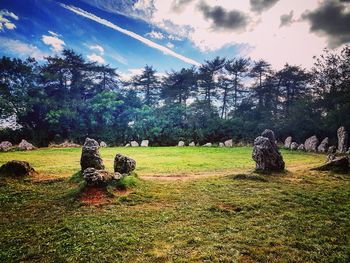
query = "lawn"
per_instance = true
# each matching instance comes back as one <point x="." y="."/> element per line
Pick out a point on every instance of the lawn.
<point x="222" y="212"/>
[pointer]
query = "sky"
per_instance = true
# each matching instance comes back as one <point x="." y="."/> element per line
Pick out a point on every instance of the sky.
<point x="171" y="34"/>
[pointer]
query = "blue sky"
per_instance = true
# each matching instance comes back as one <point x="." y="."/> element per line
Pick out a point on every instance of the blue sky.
<point x="170" y="34"/>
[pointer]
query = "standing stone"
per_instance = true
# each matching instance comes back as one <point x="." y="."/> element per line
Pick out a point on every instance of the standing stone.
<point x="134" y="144"/>
<point x="294" y="146"/>
<point x="301" y="147"/>
<point x="209" y="144"/>
<point x="144" y="143"/>
<point x="342" y="139"/>
<point x="90" y="155"/>
<point x="192" y="144"/>
<point x="229" y="143"/>
<point x="332" y="149"/>
<point x="5" y="146"/>
<point x="26" y="146"/>
<point x="311" y="144"/>
<point x="323" y="147"/>
<point x="16" y="168"/>
<point x="181" y="144"/>
<point x="221" y="144"/>
<point x="288" y="142"/>
<point x="266" y="154"/>
<point x="124" y="164"/>
<point x="103" y="144"/>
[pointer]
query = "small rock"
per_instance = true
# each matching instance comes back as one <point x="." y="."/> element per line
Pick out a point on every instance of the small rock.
<point x="144" y="143"/>
<point x="192" y="144"/>
<point x="127" y="145"/>
<point x="134" y="144"/>
<point x="16" y="168"/>
<point x="342" y="140"/>
<point x="332" y="149"/>
<point x="288" y="142"/>
<point x="311" y="144"/>
<point x="337" y="164"/>
<point x="90" y="155"/>
<point x="229" y="143"/>
<point x="103" y="144"/>
<point x="181" y="144"/>
<point x="124" y="164"/>
<point x="96" y="177"/>
<point x="294" y="146"/>
<point x="26" y="146"/>
<point x="209" y="144"/>
<point x="301" y="147"/>
<point x="323" y="147"/>
<point x="5" y="146"/>
<point x="221" y="144"/>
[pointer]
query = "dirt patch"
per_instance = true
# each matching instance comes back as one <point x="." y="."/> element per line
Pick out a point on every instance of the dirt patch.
<point x="93" y="195"/>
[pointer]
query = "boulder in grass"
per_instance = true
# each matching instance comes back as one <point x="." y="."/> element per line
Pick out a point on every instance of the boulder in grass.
<point x="294" y="146"/>
<point x="311" y="144"/>
<point x="5" y="146"/>
<point x="124" y="164"/>
<point x="266" y="154"/>
<point x="181" y="144"/>
<point x="338" y="164"/>
<point x="127" y="145"/>
<point x="221" y="144"/>
<point x="208" y="144"/>
<point x="103" y="144"/>
<point x="301" y="147"/>
<point x="228" y="143"/>
<point x="26" y="146"/>
<point x="144" y="143"/>
<point x="324" y="145"/>
<point x="332" y="149"/>
<point x="288" y="142"/>
<point x="90" y="155"/>
<point x="96" y="177"/>
<point x="134" y="144"/>
<point x="192" y="144"/>
<point x="16" y="169"/>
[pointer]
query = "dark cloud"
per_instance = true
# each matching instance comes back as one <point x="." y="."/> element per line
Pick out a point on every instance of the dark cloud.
<point x="224" y="19"/>
<point x="179" y="5"/>
<point x="262" y="5"/>
<point x="286" y="19"/>
<point x="331" y="19"/>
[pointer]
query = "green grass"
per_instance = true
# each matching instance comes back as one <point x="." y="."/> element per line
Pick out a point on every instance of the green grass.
<point x="298" y="216"/>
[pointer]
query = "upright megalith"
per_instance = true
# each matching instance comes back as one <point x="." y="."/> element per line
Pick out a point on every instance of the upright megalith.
<point x="301" y="147"/>
<point x="124" y="164"/>
<point x="134" y="144"/>
<point x="228" y="143"/>
<point x="311" y="144"/>
<point x="342" y="140"/>
<point x="324" y="145"/>
<point x="90" y="155"/>
<point x="294" y="146"/>
<point x="181" y="144"/>
<point x="144" y="143"/>
<point x="288" y="142"/>
<point x="266" y="154"/>
<point x="26" y="146"/>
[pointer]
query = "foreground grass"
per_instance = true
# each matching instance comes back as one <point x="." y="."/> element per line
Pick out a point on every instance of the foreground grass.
<point x="300" y="216"/>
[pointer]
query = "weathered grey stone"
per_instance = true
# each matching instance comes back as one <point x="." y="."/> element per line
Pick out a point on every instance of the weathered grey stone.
<point x="26" y="146"/>
<point x="181" y="144"/>
<point x="294" y="146"/>
<point x="271" y="136"/>
<point x="266" y="154"/>
<point x="332" y="149"/>
<point x="127" y="145"/>
<point x="144" y="143"/>
<point x="5" y="146"/>
<point x="65" y="144"/>
<point x="324" y="145"/>
<point x="301" y="147"/>
<point x="336" y="164"/>
<point x="228" y="143"/>
<point x="221" y="144"/>
<point x="342" y="140"/>
<point x="16" y="168"/>
<point x="103" y="144"/>
<point x="208" y="144"/>
<point x="134" y="144"/>
<point x="90" y="155"/>
<point x="96" y="177"/>
<point x="288" y="142"/>
<point x="124" y="164"/>
<point x="311" y="144"/>
<point x="192" y="144"/>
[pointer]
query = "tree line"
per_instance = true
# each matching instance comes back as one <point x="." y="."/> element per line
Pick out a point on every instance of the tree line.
<point x="67" y="97"/>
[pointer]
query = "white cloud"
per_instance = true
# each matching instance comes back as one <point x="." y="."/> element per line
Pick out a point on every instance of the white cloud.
<point x="54" y="41"/>
<point x="146" y="41"/>
<point x="155" y="35"/>
<point x="170" y="45"/>
<point x="6" y="22"/>
<point x="21" y="49"/>
<point x="96" y="58"/>
<point x="98" y="48"/>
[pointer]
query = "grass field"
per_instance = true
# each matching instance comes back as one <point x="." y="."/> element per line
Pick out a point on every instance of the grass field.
<point x="222" y="212"/>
